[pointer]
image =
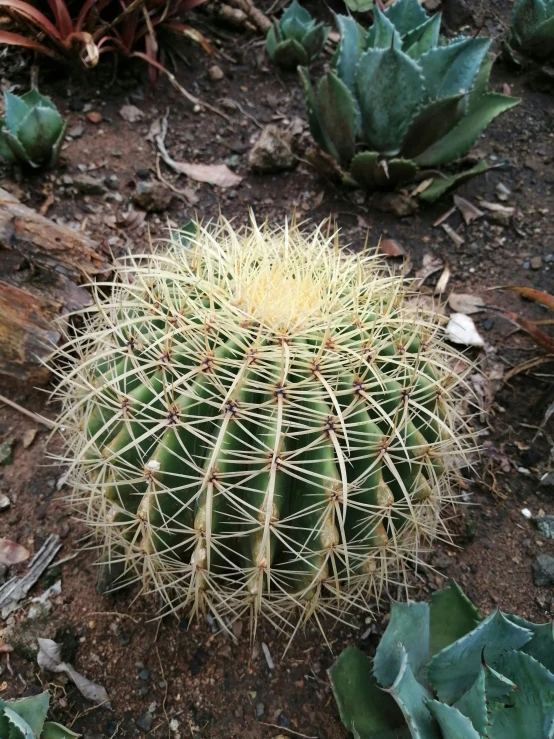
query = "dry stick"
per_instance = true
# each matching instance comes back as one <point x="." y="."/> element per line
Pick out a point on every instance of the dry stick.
<point x="283" y="728"/>
<point x="35" y="416"/>
<point x="129" y="9"/>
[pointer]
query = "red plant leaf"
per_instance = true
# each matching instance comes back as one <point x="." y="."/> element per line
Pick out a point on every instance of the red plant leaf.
<point x="61" y="16"/>
<point x="11" y="553"/>
<point x="537" y="295"/>
<point x="16" y="39"/>
<point x="35" y="16"/>
<point x="540" y="337"/>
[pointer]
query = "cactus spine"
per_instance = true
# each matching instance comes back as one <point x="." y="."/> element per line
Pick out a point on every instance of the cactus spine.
<point x="257" y="420"/>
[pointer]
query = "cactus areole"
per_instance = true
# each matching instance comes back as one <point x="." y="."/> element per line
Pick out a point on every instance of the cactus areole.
<point x="260" y="421"/>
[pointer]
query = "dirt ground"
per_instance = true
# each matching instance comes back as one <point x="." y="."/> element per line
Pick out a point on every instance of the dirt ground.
<point x="167" y="678"/>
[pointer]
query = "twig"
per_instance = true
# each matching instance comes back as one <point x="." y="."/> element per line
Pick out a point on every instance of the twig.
<point x="63" y="561"/>
<point x="114" y="613"/>
<point x="170" y="185"/>
<point x="291" y="731"/>
<point x="84" y="713"/>
<point x="35" y="416"/>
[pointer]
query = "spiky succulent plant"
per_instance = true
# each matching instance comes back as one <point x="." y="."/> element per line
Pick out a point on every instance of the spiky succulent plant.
<point x="532" y="31"/>
<point x="492" y="677"/>
<point x="400" y="99"/>
<point x="32" y="130"/>
<point x="296" y="38"/>
<point x="256" y="420"/>
<point x="26" y="719"/>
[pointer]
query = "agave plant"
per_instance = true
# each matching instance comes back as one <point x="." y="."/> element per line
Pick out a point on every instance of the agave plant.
<point x="296" y="38"/>
<point x="532" y="31"/>
<point x="443" y="672"/>
<point x="400" y="99"/>
<point x="256" y="421"/>
<point x="26" y="719"/>
<point x="32" y="131"/>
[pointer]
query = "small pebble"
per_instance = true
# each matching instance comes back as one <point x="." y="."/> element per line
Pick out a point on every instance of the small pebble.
<point x="215" y="73"/>
<point x="145" y="721"/>
<point x="76" y="131"/>
<point x="76" y="105"/>
<point x="260" y="710"/>
<point x="144" y="674"/>
<point x="536" y="262"/>
<point x="5" y="502"/>
<point x="94" y="117"/>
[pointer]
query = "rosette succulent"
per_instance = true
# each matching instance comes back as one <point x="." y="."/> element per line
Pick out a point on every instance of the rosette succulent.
<point x="26" y="719"/>
<point x="32" y="130"/>
<point x="296" y="38"/>
<point x="532" y="31"/>
<point x="441" y="671"/>
<point x="400" y="99"/>
<point x="255" y="420"/>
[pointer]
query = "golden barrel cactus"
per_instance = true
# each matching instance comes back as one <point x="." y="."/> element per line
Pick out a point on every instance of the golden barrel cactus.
<point x="257" y="420"/>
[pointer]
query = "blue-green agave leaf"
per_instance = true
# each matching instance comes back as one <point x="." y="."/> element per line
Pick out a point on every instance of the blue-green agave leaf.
<point x="16" y="110"/>
<point x="460" y="139"/>
<point x="385" y="34"/>
<point x="272" y="39"/>
<point x="19" y="728"/>
<point x="454" y="725"/>
<point x="390" y="173"/>
<point x="531" y="714"/>
<point x="449" y="70"/>
<point x="541" y="43"/>
<point x="339" y="115"/>
<point x="389" y="89"/>
<point x="451" y="616"/>
<point x="38" y="132"/>
<point x="5" y="151"/>
<point x="19" y="153"/>
<point x="412" y="697"/>
<point x="365" y="710"/>
<point x="433" y="122"/>
<point x="315" y="39"/>
<point x="350" y="49"/>
<point x="290" y="54"/>
<point x="527" y="15"/>
<point x="497" y="686"/>
<point x="441" y="185"/>
<point x="473" y="703"/>
<point x="293" y="28"/>
<point x="315" y="122"/>
<point x="541" y="646"/>
<point x="423" y="38"/>
<point x="362" y="169"/>
<point x="481" y="84"/>
<point x="297" y="13"/>
<point x="33" y="97"/>
<point x="4" y="723"/>
<point x="455" y="668"/>
<point x="408" y="627"/>
<point x="53" y="730"/>
<point x="359" y="6"/>
<point x="406" y="15"/>
<point x="32" y="710"/>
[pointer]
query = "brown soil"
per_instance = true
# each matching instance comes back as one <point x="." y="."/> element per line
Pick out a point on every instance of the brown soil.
<point x="214" y="687"/>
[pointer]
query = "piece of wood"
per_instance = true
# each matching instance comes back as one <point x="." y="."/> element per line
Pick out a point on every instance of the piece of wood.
<point x="46" y="244"/>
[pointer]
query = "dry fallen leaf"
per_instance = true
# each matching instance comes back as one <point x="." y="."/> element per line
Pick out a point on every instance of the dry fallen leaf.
<point x="465" y="303"/>
<point x="11" y="553"/>
<point x="431" y="264"/>
<point x="540" y="337"/>
<point x="469" y="211"/>
<point x="442" y="282"/>
<point x="392" y="248"/>
<point x="131" y="220"/>
<point x="461" y="330"/>
<point x="131" y="113"/>
<point x="539" y="296"/>
<point x="29" y="437"/>
<point x="456" y="238"/>
<point x="50" y="658"/>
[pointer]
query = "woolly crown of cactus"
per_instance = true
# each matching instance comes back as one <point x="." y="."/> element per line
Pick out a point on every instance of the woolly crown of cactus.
<point x="257" y="420"/>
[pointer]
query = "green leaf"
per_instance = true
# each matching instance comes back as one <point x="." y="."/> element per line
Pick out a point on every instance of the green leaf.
<point x="532" y="712"/>
<point x="290" y="54"/>
<point x="32" y="710"/>
<point x="435" y="120"/>
<point x="541" y="43"/>
<point x="449" y="70"/>
<point x="337" y="109"/>
<point x="271" y="40"/>
<point x="350" y="49"/>
<point x="454" y="725"/>
<point x="19" y="153"/>
<point x="541" y="646"/>
<point x="38" y="132"/>
<point x="389" y="90"/>
<point x="393" y="172"/>
<point x="473" y="703"/>
<point x="384" y="35"/>
<point x="33" y="97"/>
<point x="16" y="110"/>
<point x="497" y="686"/>
<point x="57" y="146"/>
<point x="423" y="38"/>
<point x="412" y="698"/>
<point x="406" y="15"/>
<point x="314" y="40"/>
<point x="409" y="628"/>
<point x="441" y="185"/>
<point x="527" y="15"/>
<point x="57" y="731"/>
<point x="295" y="12"/>
<point x="481" y="84"/>
<point x="5" y="152"/>
<point x="452" y="615"/>
<point x="362" y="169"/>
<point x="365" y="710"/>
<point x="359" y="6"/>
<point x="317" y="128"/>
<point x="19" y="728"/>
<point x="455" y="668"/>
<point x="460" y="139"/>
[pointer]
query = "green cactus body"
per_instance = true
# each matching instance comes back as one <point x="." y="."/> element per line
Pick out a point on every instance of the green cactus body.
<point x="296" y="38"/>
<point x="256" y="420"/>
<point x="32" y="131"/>
<point x="400" y="98"/>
